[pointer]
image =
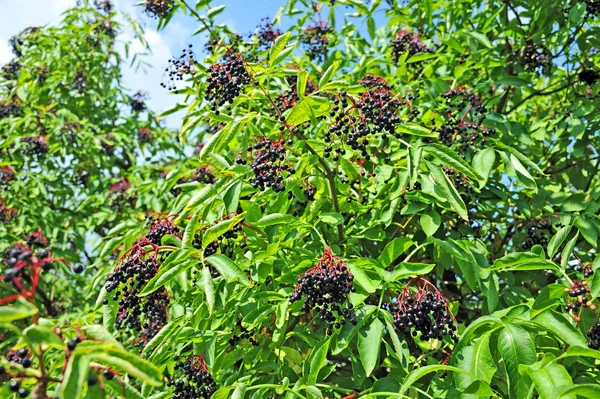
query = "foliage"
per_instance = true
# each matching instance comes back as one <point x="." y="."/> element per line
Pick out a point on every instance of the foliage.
<point x="387" y="200"/>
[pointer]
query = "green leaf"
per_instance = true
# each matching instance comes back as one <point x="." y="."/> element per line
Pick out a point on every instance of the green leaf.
<point x="163" y="335"/>
<point x="329" y="73"/>
<point x="213" y="12"/>
<point x="209" y="289"/>
<point x="516" y="347"/>
<point x="38" y="335"/>
<point x="224" y="136"/>
<point x="216" y="231"/>
<point x="75" y="376"/>
<point x="172" y="109"/>
<point x="331" y="218"/>
<point x="308" y="108"/>
<point x="361" y="278"/>
<point x="568" y="250"/>
<point x="590" y="391"/>
<point x="201" y="196"/>
<point x="277" y="47"/>
<point x="190" y="230"/>
<point x="522" y="173"/>
<point x="369" y="344"/>
<point x="239" y="391"/>
<point x="483" y="39"/>
<point x="421" y="57"/>
<point x="406" y="269"/>
<point x="420" y="372"/>
<point x="229" y="270"/>
<point x="477" y="360"/>
<point x="557" y="240"/>
<point x="317" y="361"/>
<point x="274" y="219"/>
<point x="483" y="163"/>
<point x="166" y="273"/>
<point x="20" y="310"/>
<point x="450" y="193"/>
<point x="301" y="84"/>
<point x="548" y="378"/>
<point x="587" y="230"/>
<point x="414" y="129"/>
<point x="523" y="261"/>
<point x="430" y="222"/>
<point x="393" y="250"/>
<point x="560" y="326"/>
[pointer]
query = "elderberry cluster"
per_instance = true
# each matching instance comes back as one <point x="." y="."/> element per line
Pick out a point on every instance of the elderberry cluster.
<point x="160" y="228"/>
<point x="144" y="134"/>
<point x="121" y="195"/>
<point x="463" y="130"/>
<point x="192" y="379"/>
<point x="578" y="298"/>
<point x="158" y="8"/>
<point x="203" y="174"/>
<point x="243" y="334"/>
<point x="9" y="108"/>
<point x="36" y="239"/>
<point x="7" y="174"/>
<point x="11" y="70"/>
<point x="146" y="314"/>
<point x="587" y="270"/>
<point x="535" y="58"/>
<point x="266" y="34"/>
<point x="425" y="312"/>
<point x="137" y="101"/>
<point x="325" y="288"/>
<point x="226" y="81"/>
<point x="594" y="336"/>
<point x="314" y="39"/>
<point x="36" y="145"/>
<point x="178" y="68"/>
<point x="103" y="5"/>
<point x="21" y="356"/>
<point x="537" y="234"/>
<point x="15" y="386"/>
<point x="268" y="157"/>
<point x="589" y="76"/>
<point x="460" y="181"/>
<point x="80" y="81"/>
<point x="406" y="41"/>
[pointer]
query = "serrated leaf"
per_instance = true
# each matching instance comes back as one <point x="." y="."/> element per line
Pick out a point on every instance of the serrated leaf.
<point x="174" y="265"/>
<point x="523" y="261"/>
<point x="74" y="377"/>
<point x="229" y="270"/>
<point x="214" y="232"/>
<point x="301" y="83"/>
<point x="201" y="196"/>
<point x="483" y="39"/>
<point x="317" y="361"/>
<point x="277" y="47"/>
<point x="308" y="108"/>
<point x="516" y="347"/>
<point x="477" y="360"/>
<point x="560" y="326"/>
<point x="274" y="219"/>
<point x="329" y="73"/>
<point x="393" y="250"/>
<point x="452" y="159"/>
<point x="369" y="343"/>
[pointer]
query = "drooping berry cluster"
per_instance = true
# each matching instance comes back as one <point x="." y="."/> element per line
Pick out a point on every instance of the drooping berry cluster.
<point x="10" y="108"/>
<point x="407" y="41"/>
<point x="315" y="41"/>
<point x="537" y="234"/>
<point x="423" y="312"/>
<point x="226" y="81"/>
<point x="36" y="145"/>
<point x="589" y="76"/>
<point x="158" y="8"/>
<point x="325" y="288"/>
<point x="266" y="34"/>
<point x="161" y="227"/>
<point x="374" y="82"/>
<point x="535" y="58"/>
<point x="18" y="41"/>
<point x="138" y="101"/>
<point x="120" y="195"/>
<point x="310" y="191"/>
<point x="11" y="70"/>
<point x="138" y="314"/>
<point x="191" y="379"/>
<point x="243" y="334"/>
<point x="21" y="356"/>
<point x="460" y="181"/>
<point x="203" y="174"/>
<point x="594" y="336"/>
<point x="178" y="68"/>
<point x="578" y="298"/>
<point x="268" y="164"/>
<point x="465" y="112"/>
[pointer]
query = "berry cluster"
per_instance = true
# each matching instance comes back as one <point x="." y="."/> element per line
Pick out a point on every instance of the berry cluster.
<point x="268" y="157"/>
<point x="9" y="108"/>
<point x="21" y="356"/>
<point x="120" y="195"/>
<point x="425" y="311"/>
<point x="226" y="81"/>
<point x="315" y="41"/>
<point x="535" y="58"/>
<point x="537" y="234"/>
<point x="589" y="76"/>
<point x="15" y="386"/>
<point x="144" y="134"/>
<point x="326" y="287"/>
<point x="158" y="8"/>
<point x="178" y="68"/>
<point x="587" y="269"/>
<point x="286" y="100"/>
<point x="192" y="379"/>
<point x="203" y="174"/>
<point x="460" y="181"/>
<point x="11" y="70"/>
<point x="577" y="298"/>
<point x="266" y="34"/>
<point x="104" y="27"/>
<point x="137" y="101"/>
<point x="463" y="129"/>
<point x="16" y="42"/>
<point x="160" y="228"/>
<point x="36" y="145"/>
<point x="133" y="271"/>
<point x="310" y="191"/>
<point x="36" y="239"/>
<point x="103" y="5"/>
<point x="70" y="131"/>
<point x="374" y="82"/>
<point x="7" y="174"/>
<point x="594" y="336"/>
<point x="592" y="7"/>
<point x="80" y="81"/>
<point x="406" y="41"/>
<point x="243" y="334"/>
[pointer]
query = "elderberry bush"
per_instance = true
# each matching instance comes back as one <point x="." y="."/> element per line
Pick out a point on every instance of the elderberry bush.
<point x="325" y="288"/>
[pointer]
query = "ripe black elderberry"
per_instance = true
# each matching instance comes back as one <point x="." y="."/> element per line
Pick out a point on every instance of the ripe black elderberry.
<point x="80" y="81"/>
<point x="266" y="34"/>
<point x="161" y="227"/>
<point x="594" y="336"/>
<point x="140" y="314"/>
<point x="226" y="81"/>
<point x="315" y="41"/>
<point x="268" y="164"/>
<point x="11" y="70"/>
<point x="242" y="334"/>
<point x="10" y="108"/>
<point x="21" y="356"/>
<point x="326" y="287"/>
<point x="137" y="101"/>
<point x="203" y="174"/>
<point x="191" y="379"/>
<point x="158" y="8"/>
<point x="36" y="145"/>
<point x="425" y="311"/>
<point x="463" y="129"/>
<point x="23" y="392"/>
<point x="310" y="191"/>
<point x="589" y="76"/>
<point x="36" y="239"/>
<point x="7" y="174"/>
<point x="537" y="234"/>
<point x="406" y="41"/>
<point x="178" y="68"/>
<point x="578" y="298"/>
<point x="535" y="58"/>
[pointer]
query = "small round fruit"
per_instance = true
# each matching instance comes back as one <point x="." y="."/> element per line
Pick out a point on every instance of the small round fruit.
<point x="78" y="268"/>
